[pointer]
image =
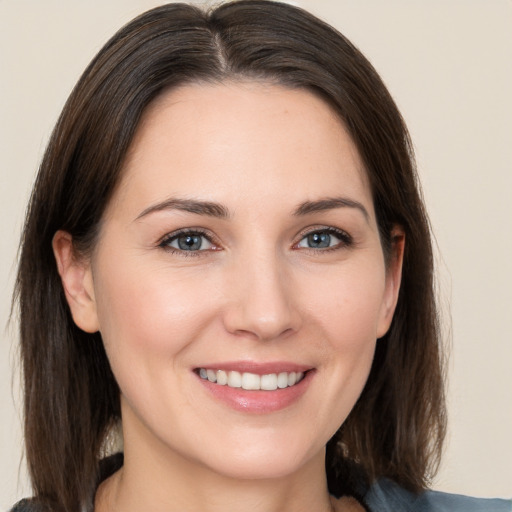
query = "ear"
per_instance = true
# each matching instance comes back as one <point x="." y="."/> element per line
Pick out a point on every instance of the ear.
<point x="76" y="277"/>
<point x="393" y="280"/>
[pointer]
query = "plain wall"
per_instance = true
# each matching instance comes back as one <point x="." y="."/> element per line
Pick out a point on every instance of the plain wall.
<point x="449" y="66"/>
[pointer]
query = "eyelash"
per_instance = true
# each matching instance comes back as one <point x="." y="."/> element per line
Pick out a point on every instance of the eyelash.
<point x="346" y="241"/>
<point x="171" y="237"/>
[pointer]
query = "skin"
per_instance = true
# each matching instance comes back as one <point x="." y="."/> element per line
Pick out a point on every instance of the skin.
<point x="254" y="292"/>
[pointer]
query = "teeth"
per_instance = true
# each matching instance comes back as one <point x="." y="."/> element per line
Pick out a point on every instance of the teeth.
<point x="234" y="380"/>
<point x="222" y="377"/>
<point x="252" y="381"/>
<point x="282" y="380"/>
<point x="268" y="382"/>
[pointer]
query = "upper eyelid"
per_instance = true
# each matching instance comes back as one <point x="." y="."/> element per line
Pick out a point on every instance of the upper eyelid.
<point x="186" y="231"/>
<point x="318" y="229"/>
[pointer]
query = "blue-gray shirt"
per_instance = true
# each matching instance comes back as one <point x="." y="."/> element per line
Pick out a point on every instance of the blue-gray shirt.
<point x="386" y="496"/>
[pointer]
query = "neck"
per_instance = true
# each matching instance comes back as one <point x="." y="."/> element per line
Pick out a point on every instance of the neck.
<point x="186" y="487"/>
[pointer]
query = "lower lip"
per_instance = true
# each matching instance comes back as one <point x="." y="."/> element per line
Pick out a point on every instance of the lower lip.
<point x="258" y="401"/>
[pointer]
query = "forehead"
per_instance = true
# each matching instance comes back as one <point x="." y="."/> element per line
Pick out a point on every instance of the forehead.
<point x="241" y="139"/>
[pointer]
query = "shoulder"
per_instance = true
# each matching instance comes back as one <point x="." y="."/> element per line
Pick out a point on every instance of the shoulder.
<point x="107" y="467"/>
<point x="29" y="505"/>
<point x="387" y="496"/>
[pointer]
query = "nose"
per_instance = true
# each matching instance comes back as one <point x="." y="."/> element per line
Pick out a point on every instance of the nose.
<point x="261" y="303"/>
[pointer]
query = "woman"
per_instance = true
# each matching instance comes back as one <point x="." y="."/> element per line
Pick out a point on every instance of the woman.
<point x="226" y="248"/>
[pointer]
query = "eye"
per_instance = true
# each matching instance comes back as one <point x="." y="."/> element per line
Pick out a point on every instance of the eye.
<point x="188" y="241"/>
<point x="325" y="239"/>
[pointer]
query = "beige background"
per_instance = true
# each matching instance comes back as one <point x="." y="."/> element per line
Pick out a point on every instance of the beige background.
<point x="449" y="66"/>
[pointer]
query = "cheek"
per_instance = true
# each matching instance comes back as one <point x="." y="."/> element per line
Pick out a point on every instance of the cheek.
<point x="148" y="313"/>
<point x="349" y="306"/>
<point x="149" y="319"/>
<point x="346" y="317"/>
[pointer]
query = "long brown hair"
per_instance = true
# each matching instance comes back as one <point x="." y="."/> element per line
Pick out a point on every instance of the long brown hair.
<point x="71" y="396"/>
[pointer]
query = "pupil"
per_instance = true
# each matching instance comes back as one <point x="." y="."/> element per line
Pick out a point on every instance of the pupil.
<point x="189" y="242"/>
<point x="319" y="240"/>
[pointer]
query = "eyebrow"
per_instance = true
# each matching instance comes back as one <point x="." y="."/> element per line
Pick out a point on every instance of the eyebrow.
<point x="330" y="203"/>
<point x="188" y="205"/>
<point x="218" y="210"/>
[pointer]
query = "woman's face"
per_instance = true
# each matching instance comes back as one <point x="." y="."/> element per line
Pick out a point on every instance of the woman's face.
<point x="241" y="245"/>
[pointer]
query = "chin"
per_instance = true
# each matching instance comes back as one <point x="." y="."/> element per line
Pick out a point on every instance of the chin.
<point x="266" y="459"/>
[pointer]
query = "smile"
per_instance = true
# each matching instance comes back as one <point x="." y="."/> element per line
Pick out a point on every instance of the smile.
<point x="251" y="381"/>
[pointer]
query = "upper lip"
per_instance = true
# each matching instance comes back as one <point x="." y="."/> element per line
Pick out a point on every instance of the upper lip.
<point x="258" y="368"/>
